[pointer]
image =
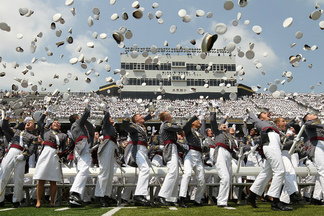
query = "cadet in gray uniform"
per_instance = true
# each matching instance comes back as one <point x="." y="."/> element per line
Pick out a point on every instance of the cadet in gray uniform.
<point x="273" y="166"/>
<point x="82" y="133"/>
<point x="315" y="133"/>
<point x="223" y="157"/>
<point x="193" y="161"/>
<point x="23" y="144"/>
<point x="106" y="152"/>
<point x="48" y="167"/>
<point x="168" y="131"/>
<point x="137" y="133"/>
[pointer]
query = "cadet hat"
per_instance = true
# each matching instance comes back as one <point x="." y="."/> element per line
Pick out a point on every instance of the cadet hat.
<point x="209" y="15"/>
<point x="37" y="115"/>
<point x="69" y="2"/>
<point x="299" y="35"/>
<point x="103" y="36"/>
<point x="118" y="37"/>
<point x="193" y="42"/>
<point x="200" y="13"/>
<point x="228" y="5"/>
<point x="273" y="88"/>
<point x="155" y="5"/>
<point x="287" y="22"/>
<point x="173" y="29"/>
<point x="315" y="15"/>
<point x="200" y="31"/>
<point x="186" y="18"/>
<point x="137" y="13"/>
<point x="182" y="13"/>
<point x="257" y="29"/>
<point x="158" y="14"/>
<point x="124" y="16"/>
<point x="107" y="67"/>
<point x="242" y="3"/>
<point x="220" y="28"/>
<point x="321" y="25"/>
<point x="128" y="34"/>
<point x="5" y="27"/>
<point x="208" y="42"/>
<point x="114" y="16"/>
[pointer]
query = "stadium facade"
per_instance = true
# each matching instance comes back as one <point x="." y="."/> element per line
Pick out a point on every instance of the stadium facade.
<point x="176" y="74"/>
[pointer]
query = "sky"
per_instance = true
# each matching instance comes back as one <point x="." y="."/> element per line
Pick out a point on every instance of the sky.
<point x="272" y="46"/>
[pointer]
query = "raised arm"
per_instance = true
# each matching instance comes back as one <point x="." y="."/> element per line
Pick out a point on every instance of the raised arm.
<point x="106" y="121"/>
<point x="6" y="128"/>
<point x="41" y="125"/>
<point x="213" y="123"/>
<point x="203" y="128"/>
<point x="128" y="126"/>
<point x="245" y="129"/>
<point x="187" y="126"/>
<point x="148" y="117"/>
<point x="85" y="115"/>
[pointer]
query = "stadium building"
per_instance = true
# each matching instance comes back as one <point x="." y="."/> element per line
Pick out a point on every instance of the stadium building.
<point x="176" y="74"/>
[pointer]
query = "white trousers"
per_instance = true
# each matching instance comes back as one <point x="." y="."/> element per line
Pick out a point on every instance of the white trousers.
<point x="193" y="161"/>
<point x="7" y="165"/>
<point x="83" y="163"/>
<point x="273" y="168"/>
<point x="319" y="162"/>
<point x="144" y="171"/>
<point x="170" y="185"/>
<point x="224" y="170"/>
<point x="106" y="173"/>
<point x="290" y="185"/>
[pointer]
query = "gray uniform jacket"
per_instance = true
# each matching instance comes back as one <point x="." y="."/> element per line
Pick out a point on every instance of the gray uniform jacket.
<point x="49" y="135"/>
<point x="221" y="136"/>
<point x="82" y="127"/>
<point x="137" y="134"/>
<point x="30" y="141"/>
<point x="194" y="138"/>
<point x="168" y="133"/>
<point x="108" y="131"/>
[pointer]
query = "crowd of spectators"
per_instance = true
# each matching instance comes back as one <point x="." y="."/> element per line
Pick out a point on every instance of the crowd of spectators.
<point x="290" y="106"/>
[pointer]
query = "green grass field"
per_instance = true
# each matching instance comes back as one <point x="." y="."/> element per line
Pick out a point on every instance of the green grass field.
<point x="94" y="209"/>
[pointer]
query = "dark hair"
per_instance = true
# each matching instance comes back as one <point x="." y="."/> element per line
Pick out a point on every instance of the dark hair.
<point x="73" y="118"/>
<point x="134" y="118"/>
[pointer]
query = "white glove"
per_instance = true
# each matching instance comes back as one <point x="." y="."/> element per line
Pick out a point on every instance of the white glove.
<point x="157" y="112"/>
<point x="86" y="101"/>
<point x="27" y="119"/>
<point x="127" y="114"/>
<point x="199" y="112"/>
<point x="87" y="106"/>
<point x="161" y="147"/>
<point x="8" y="113"/>
<point x="234" y="126"/>
<point x="69" y="134"/>
<point x="49" y="109"/>
<point x="186" y="147"/>
<point x="228" y="113"/>
<point x="210" y="162"/>
<point x="20" y="157"/>
<point x="201" y="117"/>
<point x="106" y="108"/>
<point x="245" y="119"/>
<point x="153" y="130"/>
<point x="298" y="119"/>
<point x="214" y="104"/>
<point x="48" y="122"/>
